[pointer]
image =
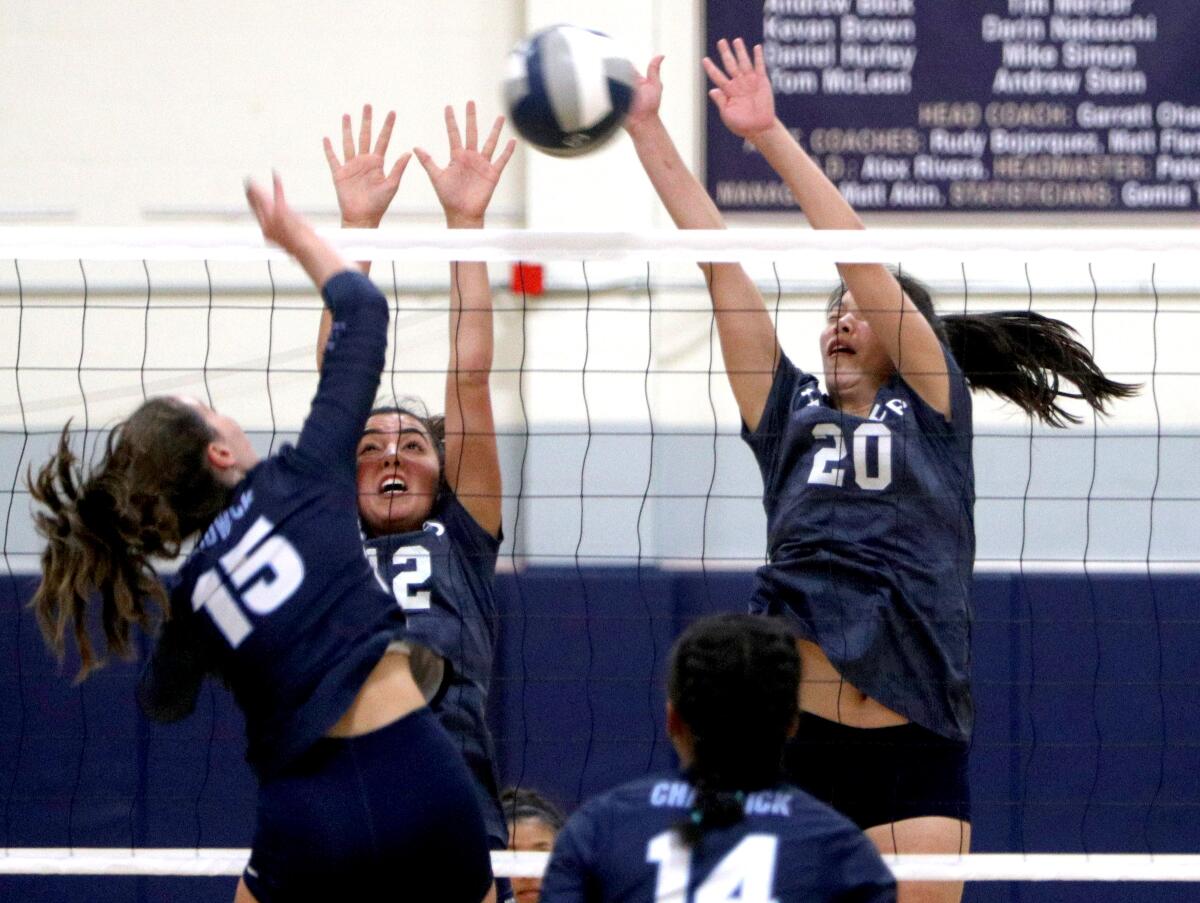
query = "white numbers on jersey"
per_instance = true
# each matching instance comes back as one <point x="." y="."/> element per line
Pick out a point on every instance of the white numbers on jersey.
<point x="264" y="572"/>
<point x="829" y="467"/>
<point x="414" y="568"/>
<point x="745" y="874"/>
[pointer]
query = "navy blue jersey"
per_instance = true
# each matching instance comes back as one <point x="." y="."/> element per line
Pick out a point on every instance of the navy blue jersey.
<point x="623" y="846"/>
<point x="442" y="576"/>
<point x="871" y="539"/>
<point x="277" y="598"/>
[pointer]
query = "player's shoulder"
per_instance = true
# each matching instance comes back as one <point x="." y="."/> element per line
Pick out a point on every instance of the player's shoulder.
<point x="636" y="795"/>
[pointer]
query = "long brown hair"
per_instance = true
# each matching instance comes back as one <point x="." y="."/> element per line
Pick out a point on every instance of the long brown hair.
<point x="1019" y="355"/>
<point x="151" y="489"/>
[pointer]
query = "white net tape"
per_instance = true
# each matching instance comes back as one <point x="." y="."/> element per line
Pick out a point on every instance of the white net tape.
<point x="910" y="245"/>
<point x="199" y="863"/>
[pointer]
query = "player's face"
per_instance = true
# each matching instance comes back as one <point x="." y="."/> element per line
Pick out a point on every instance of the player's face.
<point x="529" y="835"/>
<point x="236" y="456"/>
<point x="854" y="358"/>
<point x="398" y="474"/>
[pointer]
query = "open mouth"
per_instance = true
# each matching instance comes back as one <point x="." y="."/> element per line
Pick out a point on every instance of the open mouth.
<point x="393" y="486"/>
<point x="835" y="350"/>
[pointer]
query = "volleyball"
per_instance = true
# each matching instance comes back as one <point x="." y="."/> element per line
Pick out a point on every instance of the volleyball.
<point x="568" y="89"/>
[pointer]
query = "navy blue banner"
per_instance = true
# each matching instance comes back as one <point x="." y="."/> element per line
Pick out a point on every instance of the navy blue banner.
<point x="1034" y="105"/>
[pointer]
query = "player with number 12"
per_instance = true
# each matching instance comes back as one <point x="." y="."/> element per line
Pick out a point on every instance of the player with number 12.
<point x="429" y="489"/>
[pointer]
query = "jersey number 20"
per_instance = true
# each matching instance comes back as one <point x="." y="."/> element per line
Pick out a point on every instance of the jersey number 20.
<point x="263" y="570"/>
<point x="745" y="874"/>
<point x="829" y="468"/>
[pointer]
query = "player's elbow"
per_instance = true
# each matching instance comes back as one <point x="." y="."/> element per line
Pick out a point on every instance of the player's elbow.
<point x="159" y="703"/>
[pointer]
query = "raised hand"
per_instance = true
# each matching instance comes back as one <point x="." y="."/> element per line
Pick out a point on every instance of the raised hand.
<point x="647" y="95"/>
<point x="364" y="191"/>
<point x="464" y="187"/>
<point x="742" y="94"/>
<point x="279" y="223"/>
<point x="285" y="227"/>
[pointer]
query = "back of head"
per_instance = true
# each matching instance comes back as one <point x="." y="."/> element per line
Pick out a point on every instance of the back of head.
<point x="733" y="681"/>
<point x="150" y="490"/>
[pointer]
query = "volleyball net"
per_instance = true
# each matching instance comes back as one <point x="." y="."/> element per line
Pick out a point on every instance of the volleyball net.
<point x="633" y="506"/>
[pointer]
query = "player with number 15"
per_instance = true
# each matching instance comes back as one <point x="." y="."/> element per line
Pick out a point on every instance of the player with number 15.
<point x="358" y="781"/>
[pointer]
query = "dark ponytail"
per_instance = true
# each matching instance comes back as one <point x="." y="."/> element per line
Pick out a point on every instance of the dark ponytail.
<point x="151" y="490"/>
<point x="1019" y="355"/>
<point x="733" y="682"/>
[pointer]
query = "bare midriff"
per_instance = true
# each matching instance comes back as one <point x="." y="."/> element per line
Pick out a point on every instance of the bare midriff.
<point x="388" y="694"/>
<point x="825" y="693"/>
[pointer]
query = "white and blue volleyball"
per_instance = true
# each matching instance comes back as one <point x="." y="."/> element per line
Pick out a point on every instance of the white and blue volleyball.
<point x="568" y="89"/>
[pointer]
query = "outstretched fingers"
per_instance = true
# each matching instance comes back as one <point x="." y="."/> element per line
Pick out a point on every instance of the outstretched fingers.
<point x="347" y="138"/>
<point x="452" y="131"/>
<point x="713" y="71"/>
<point x="472" y="127"/>
<point x="334" y="163"/>
<point x="743" y="58"/>
<point x="760" y="64"/>
<point x="728" y="60"/>
<point x="385" y="134"/>
<point x="364" y="130"/>
<point x="257" y="199"/>
<point x="505" y="155"/>
<point x="426" y="161"/>
<point x="493" y="138"/>
<point x="398" y="170"/>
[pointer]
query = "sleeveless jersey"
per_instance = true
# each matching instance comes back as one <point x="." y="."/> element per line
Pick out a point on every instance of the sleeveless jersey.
<point x="277" y="598"/>
<point x="442" y="576"/>
<point x="871" y="539"/>
<point x="623" y="846"/>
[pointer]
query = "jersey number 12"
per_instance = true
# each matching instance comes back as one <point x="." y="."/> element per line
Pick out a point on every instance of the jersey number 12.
<point x="413" y="567"/>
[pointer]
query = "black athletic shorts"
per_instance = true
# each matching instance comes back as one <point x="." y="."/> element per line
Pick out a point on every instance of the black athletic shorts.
<point x="875" y="776"/>
<point x="390" y="814"/>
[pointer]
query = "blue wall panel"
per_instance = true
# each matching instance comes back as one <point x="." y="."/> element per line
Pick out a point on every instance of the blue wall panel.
<point x="1088" y="693"/>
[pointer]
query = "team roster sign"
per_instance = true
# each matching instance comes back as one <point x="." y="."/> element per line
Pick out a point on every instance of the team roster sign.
<point x="974" y="104"/>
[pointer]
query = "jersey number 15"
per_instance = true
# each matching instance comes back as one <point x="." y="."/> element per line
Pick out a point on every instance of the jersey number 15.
<point x="262" y="571"/>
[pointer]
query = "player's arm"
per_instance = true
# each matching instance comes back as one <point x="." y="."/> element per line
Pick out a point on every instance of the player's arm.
<point x="464" y="188"/>
<point x="364" y="189"/>
<point x="748" y="342"/>
<point x="359" y="314"/>
<point x="742" y="95"/>
<point x="171" y="678"/>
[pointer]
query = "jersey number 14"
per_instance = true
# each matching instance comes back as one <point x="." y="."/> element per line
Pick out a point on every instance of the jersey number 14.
<point x="746" y="874"/>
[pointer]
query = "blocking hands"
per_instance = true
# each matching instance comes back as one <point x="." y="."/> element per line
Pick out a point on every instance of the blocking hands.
<point x="465" y="185"/>
<point x="742" y="89"/>
<point x="283" y="226"/>
<point x="364" y="189"/>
